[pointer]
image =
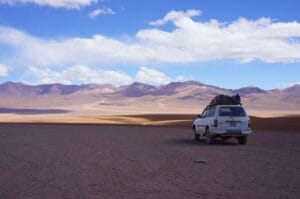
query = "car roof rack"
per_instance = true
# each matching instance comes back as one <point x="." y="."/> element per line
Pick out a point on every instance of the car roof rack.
<point x="226" y="100"/>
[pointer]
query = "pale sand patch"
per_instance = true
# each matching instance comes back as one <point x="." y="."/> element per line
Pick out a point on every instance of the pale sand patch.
<point x="65" y="118"/>
<point x="274" y="113"/>
<point x="165" y="122"/>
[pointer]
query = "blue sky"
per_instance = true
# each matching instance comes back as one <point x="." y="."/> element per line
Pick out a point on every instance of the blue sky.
<point x="224" y="43"/>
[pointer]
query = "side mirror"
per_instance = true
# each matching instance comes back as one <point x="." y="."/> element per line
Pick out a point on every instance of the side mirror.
<point x="199" y="116"/>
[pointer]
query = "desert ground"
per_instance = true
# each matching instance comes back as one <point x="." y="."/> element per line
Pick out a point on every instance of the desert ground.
<point x="277" y="122"/>
<point x="142" y="161"/>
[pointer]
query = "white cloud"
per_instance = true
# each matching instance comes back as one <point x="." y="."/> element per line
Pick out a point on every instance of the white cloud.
<point x="151" y="76"/>
<point x="69" y="4"/>
<point x="244" y="40"/>
<point x="154" y="77"/>
<point x="101" y="11"/>
<point x="78" y="73"/>
<point x="190" y="42"/>
<point x="290" y="84"/>
<point x="176" y="15"/>
<point x="181" y="78"/>
<point x="4" y="69"/>
<point x="86" y="74"/>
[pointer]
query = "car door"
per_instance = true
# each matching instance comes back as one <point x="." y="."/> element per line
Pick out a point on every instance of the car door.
<point x="206" y="119"/>
<point x="210" y="116"/>
<point x="200" y="122"/>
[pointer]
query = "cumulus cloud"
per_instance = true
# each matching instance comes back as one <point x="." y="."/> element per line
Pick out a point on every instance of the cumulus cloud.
<point x="4" y="69"/>
<point x="69" y="4"/>
<point x="71" y="51"/>
<point x="190" y="42"/>
<point x="176" y="15"/>
<point x="244" y="40"/>
<point x="154" y="77"/>
<point x="151" y="76"/>
<point x="86" y="74"/>
<point x="78" y="73"/>
<point x="101" y="11"/>
<point x="290" y="84"/>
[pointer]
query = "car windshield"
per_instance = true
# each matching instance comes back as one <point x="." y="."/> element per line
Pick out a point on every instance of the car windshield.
<point x="232" y="111"/>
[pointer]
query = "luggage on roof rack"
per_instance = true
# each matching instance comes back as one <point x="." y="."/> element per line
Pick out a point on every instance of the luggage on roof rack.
<point x="225" y="100"/>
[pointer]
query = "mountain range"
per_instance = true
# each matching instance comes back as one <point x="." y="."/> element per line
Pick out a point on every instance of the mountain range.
<point x="193" y="88"/>
<point x="173" y="96"/>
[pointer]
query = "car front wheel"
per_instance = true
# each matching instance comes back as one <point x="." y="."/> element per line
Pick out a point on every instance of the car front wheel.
<point x="209" y="137"/>
<point x="196" y="136"/>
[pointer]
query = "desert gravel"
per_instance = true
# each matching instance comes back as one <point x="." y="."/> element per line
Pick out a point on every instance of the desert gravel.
<point x="102" y="161"/>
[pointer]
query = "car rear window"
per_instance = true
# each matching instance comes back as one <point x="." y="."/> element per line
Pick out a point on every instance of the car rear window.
<point x="232" y="111"/>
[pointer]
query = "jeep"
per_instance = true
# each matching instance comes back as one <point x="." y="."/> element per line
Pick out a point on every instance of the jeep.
<point x="222" y="121"/>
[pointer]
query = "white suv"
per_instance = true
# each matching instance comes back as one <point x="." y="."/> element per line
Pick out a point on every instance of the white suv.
<point x="224" y="121"/>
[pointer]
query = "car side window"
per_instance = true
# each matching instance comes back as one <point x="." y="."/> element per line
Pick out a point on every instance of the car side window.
<point x="203" y="113"/>
<point x="212" y="112"/>
<point x="207" y="113"/>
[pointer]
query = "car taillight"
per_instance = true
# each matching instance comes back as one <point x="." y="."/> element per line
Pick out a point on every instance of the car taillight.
<point x="215" y="123"/>
<point x="249" y="124"/>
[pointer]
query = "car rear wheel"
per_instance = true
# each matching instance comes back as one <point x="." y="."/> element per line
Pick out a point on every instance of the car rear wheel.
<point x="242" y="140"/>
<point x="196" y="136"/>
<point x="209" y="137"/>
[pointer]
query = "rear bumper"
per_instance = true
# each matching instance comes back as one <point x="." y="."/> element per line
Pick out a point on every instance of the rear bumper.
<point x="231" y="133"/>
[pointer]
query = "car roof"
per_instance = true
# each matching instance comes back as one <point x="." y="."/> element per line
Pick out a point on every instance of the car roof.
<point x="231" y="105"/>
<point x="225" y="105"/>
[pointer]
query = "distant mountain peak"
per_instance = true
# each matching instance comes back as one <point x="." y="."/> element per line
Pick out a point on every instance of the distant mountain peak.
<point x="137" y="89"/>
<point x="139" y="84"/>
<point x="248" y="90"/>
<point x="295" y="88"/>
<point x="193" y="82"/>
<point x="12" y="83"/>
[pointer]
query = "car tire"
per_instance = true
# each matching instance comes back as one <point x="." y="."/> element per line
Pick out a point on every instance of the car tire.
<point x="209" y="137"/>
<point x="242" y="140"/>
<point x="196" y="136"/>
